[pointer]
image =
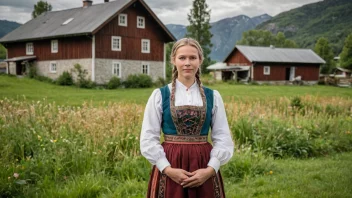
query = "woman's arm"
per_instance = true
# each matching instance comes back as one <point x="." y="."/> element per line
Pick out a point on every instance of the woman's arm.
<point x="150" y="145"/>
<point x="223" y="145"/>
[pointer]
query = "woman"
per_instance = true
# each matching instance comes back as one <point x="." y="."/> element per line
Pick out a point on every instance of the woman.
<point x="185" y="164"/>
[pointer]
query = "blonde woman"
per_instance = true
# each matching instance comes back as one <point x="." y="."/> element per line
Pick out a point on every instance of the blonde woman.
<point x="185" y="164"/>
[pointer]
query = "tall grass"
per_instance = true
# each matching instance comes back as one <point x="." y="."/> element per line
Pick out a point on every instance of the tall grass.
<point x="49" y="150"/>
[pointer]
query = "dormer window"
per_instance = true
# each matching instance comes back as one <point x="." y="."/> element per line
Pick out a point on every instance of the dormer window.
<point x="54" y="46"/>
<point x="67" y="21"/>
<point x="29" y="49"/>
<point x="123" y="20"/>
<point x="140" y="22"/>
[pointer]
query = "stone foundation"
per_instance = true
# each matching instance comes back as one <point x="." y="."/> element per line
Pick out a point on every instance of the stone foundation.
<point x="103" y="69"/>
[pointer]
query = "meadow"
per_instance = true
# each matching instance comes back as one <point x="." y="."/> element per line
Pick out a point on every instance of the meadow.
<point x="291" y="141"/>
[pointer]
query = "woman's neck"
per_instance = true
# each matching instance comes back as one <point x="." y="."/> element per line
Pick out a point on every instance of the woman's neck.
<point x="186" y="82"/>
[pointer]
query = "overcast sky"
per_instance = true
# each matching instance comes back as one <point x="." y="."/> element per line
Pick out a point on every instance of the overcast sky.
<point x="168" y="11"/>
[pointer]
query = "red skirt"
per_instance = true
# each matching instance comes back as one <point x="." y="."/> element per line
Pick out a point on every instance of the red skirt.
<point x="189" y="157"/>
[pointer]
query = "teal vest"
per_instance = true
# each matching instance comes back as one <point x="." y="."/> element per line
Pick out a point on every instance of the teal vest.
<point x="167" y="123"/>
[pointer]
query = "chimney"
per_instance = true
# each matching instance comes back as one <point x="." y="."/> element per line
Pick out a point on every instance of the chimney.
<point x="106" y="1"/>
<point x="87" y="3"/>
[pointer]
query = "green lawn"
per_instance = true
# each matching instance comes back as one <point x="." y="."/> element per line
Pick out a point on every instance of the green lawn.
<point x="329" y="176"/>
<point x="71" y="152"/>
<point x="18" y="88"/>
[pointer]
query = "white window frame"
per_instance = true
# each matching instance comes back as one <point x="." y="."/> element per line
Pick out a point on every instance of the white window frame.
<point x="125" y="22"/>
<point x="266" y="70"/>
<point x="119" y="68"/>
<point x="119" y="43"/>
<point x="53" y="42"/>
<point x="142" y="25"/>
<point x="29" y="49"/>
<point x="148" y="67"/>
<point x="148" y="46"/>
<point x="51" y="68"/>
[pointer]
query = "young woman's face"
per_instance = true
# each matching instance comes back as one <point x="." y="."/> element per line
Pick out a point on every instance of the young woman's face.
<point x="187" y="62"/>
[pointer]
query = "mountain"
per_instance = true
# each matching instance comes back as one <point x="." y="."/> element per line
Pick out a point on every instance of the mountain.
<point x="7" y="26"/>
<point x="329" y="18"/>
<point x="225" y="33"/>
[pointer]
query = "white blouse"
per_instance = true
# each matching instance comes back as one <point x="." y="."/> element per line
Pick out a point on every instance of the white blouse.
<point x="151" y="148"/>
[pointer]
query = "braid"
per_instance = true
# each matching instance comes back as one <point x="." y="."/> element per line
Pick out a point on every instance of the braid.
<point x="174" y="77"/>
<point x="198" y="77"/>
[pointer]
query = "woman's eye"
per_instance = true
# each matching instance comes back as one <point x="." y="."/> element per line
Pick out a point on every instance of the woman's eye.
<point x="182" y="58"/>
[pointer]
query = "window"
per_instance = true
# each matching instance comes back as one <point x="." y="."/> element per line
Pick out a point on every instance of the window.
<point x="29" y="49"/>
<point x="145" y="46"/>
<point x="123" y="20"/>
<point x="54" y="46"/>
<point x="67" y="21"/>
<point x="53" y="67"/>
<point x="116" y="69"/>
<point x="145" y="68"/>
<point x="266" y="70"/>
<point x="140" y="22"/>
<point x="116" y="43"/>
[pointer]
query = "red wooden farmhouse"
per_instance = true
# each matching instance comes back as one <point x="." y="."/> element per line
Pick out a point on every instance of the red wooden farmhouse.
<point x="115" y="38"/>
<point x="269" y="65"/>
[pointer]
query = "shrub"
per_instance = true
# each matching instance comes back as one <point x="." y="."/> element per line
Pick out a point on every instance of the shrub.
<point x="114" y="83"/>
<point x="65" y="79"/>
<point x="296" y="103"/>
<point x="44" y="79"/>
<point x="32" y="73"/>
<point x="82" y="82"/>
<point x="138" y="81"/>
<point x="160" y="82"/>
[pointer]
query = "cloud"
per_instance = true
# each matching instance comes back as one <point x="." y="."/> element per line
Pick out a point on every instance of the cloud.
<point x="168" y="11"/>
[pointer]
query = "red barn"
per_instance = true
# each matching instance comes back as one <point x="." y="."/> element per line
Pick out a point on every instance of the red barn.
<point x="115" y="38"/>
<point x="271" y="65"/>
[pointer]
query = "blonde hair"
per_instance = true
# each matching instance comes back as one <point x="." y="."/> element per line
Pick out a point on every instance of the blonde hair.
<point x="180" y="43"/>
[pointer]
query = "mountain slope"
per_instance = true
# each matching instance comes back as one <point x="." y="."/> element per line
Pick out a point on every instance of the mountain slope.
<point x="7" y="26"/>
<point x="328" y="18"/>
<point x="225" y="32"/>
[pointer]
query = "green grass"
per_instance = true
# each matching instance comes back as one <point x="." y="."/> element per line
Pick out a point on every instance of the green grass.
<point x="93" y="150"/>
<point x="18" y="88"/>
<point x="329" y="176"/>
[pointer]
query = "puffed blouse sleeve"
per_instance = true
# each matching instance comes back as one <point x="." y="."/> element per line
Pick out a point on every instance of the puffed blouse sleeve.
<point x="150" y="145"/>
<point x="223" y="145"/>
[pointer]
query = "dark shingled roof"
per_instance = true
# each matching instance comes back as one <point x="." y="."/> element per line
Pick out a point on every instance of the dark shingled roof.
<point x="85" y="21"/>
<point x="279" y="55"/>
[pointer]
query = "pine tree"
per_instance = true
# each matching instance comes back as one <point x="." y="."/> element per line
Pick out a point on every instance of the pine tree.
<point x="199" y="29"/>
<point x="323" y="49"/>
<point x="41" y="7"/>
<point x="346" y="54"/>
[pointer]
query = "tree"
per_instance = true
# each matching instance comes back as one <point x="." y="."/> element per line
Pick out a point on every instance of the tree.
<point x="265" y="38"/>
<point x="199" y="29"/>
<point x="2" y="52"/>
<point x="323" y="49"/>
<point x="41" y="7"/>
<point x="346" y="54"/>
<point x="168" y="61"/>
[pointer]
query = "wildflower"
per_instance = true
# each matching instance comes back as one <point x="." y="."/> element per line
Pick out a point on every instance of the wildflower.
<point x="271" y="172"/>
<point x="9" y="178"/>
<point x="39" y="137"/>
<point x="16" y="175"/>
<point x="348" y="132"/>
<point x="53" y="141"/>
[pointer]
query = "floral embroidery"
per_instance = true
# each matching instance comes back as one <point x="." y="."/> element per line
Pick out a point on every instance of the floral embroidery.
<point x="188" y="119"/>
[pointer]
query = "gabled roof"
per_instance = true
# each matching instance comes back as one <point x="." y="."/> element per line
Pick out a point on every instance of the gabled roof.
<point x="277" y="55"/>
<point x="85" y="21"/>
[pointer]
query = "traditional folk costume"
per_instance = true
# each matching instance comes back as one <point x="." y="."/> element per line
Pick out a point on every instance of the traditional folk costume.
<point x="185" y="117"/>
